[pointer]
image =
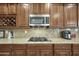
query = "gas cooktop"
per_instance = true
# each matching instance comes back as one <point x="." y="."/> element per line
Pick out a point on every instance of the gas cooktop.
<point x="38" y="39"/>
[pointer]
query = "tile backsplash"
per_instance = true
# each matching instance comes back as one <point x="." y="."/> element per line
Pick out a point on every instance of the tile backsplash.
<point x="54" y="33"/>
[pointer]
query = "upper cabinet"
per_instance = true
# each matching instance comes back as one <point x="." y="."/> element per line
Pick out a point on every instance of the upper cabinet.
<point x="8" y="8"/>
<point x="3" y="9"/>
<point x="70" y="15"/>
<point x="39" y="8"/>
<point x="22" y="15"/>
<point x="12" y="8"/>
<point x="56" y="14"/>
<point x="7" y="17"/>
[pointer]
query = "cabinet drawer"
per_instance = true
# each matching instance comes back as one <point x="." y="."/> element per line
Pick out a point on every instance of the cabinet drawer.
<point x="33" y="53"/>
<point x="62" y="46"/>
<point x="46" y="53"/>
<point x="75" y="46"/>
<point x="5" y="53"/>
<point x="19" y="46"/>
<point x="39" y="46"/>
<point x="76" y="53"/>
<point x="18" y="52"/>
<point x="5" y="46"/>
<point x="62" y="53"/>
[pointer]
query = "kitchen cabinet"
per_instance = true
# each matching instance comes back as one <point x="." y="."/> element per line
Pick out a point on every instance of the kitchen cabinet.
<point x="33" y="53"/>
<point x="19" y="49"/>
<point x="19" y="46"/>
<point x="3" y="9"/>
<point x="5" y="49"/>
<point x="7" y="19"/>
<point x="62" y="46"/>
<point x="70" y="15"/>
<point x="56" y="15"/>
<point x="40" y="46"/>
<point x="12" y="8"/>
<point x="76" y="49"/>
<point x="62" y="52"/>
<point x="46" y="52"/>
<point x="8" y="8"/>
<point x="5" y="53"/>
<point x="18" y="52"/>
<point x="22" y="15"/>
<point x="40" y="49"/>
<point x="39" y="8"/>
<point x="76" y="53"/>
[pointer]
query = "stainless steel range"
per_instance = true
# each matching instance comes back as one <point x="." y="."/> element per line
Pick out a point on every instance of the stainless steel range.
<point x="38" y="39"/>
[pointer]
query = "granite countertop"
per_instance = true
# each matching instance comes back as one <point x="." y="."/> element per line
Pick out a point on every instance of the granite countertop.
<point x="25" y="41"/>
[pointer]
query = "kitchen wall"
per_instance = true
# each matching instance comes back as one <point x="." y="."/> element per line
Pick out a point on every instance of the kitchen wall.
<point x="42" y="32"/>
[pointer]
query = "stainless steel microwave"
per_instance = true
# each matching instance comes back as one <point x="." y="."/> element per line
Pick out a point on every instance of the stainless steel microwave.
<point x="39" y="20"/>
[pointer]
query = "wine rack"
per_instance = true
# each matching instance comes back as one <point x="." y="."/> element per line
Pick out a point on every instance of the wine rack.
<point x="7" y="20"/>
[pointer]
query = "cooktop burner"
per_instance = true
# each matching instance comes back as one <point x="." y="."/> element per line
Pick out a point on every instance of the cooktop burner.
<point x="38" y="39"/>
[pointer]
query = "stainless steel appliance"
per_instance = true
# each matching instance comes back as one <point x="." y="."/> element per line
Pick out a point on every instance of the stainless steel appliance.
<point x="39" y="20"/>
<point x="38" y="39"/>
<point x="66" y="34"/>
<point x="2" y="33"/>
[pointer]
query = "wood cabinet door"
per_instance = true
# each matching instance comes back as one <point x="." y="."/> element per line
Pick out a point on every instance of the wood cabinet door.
<point x="18" y="52"/>
<point x="75" y="52"/>
<point x="39" y="8"/>
<point x="34" y="8"/>
<point x="46" y="52"/>
<point x="22" y="15"/>
<point x="44" y="8"/>
<point x="75" y="47"/>
<point x="12" y="8"/>
<point x="40" y="46"/>
<point x="62" y="46"/>
<point x="33" y="53"/>
<point x="5" y="53"/>
<point x="5" y="46"/>
<point x="62" y="53"/>
<point x="19" y="46"/>
<point x="56" y="14"/>
<point x="4" y="8"/>
<point x="70" y="15"/>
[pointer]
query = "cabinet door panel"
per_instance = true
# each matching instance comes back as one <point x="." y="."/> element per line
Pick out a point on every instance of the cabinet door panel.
<point x="22" y="15"/>
<point x="5" y="53"/>
<point x="18" y="52"/>
<point x="4" y="9"/>
<point x="62" y="53"/>
<point x="39" y="8"/>
<point x="76" y="53"/>
<point x="33" y="53"/>
<point x="46" y="53"/>
<point x="12" y="8"/>
<point x="56" y="11"/>
<point x="70" y="15"/>
<point x="62" y="46"/>
<point x="75" y="46"/>
<point x="5" y="46"/>
<point x="39" y="46"/>
<point x="19" y="46"/>
<point x="34" y="8"/>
